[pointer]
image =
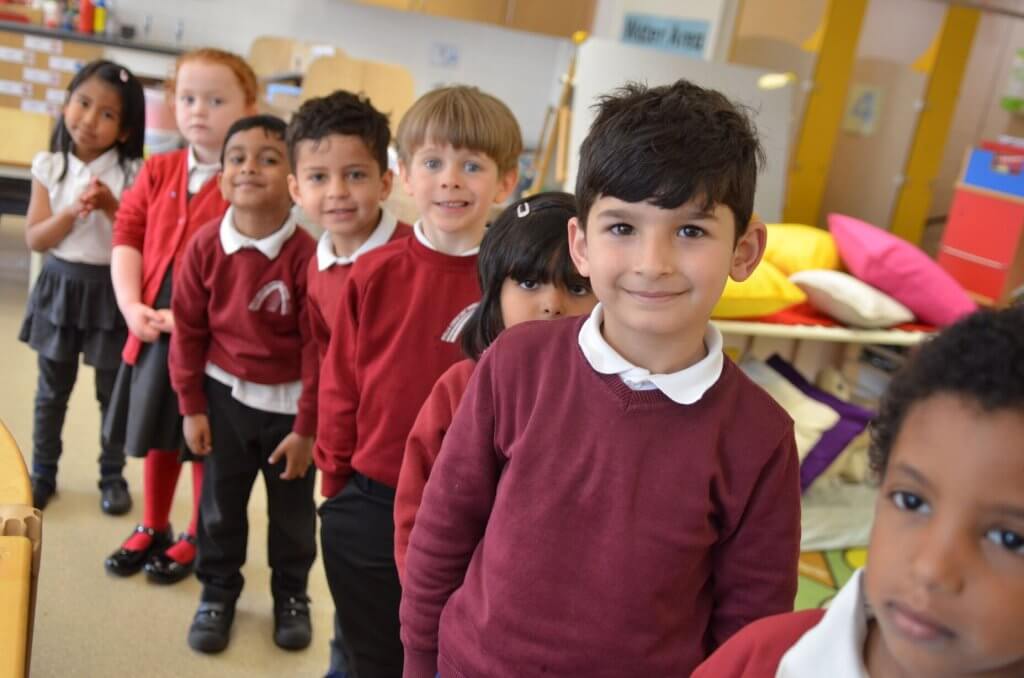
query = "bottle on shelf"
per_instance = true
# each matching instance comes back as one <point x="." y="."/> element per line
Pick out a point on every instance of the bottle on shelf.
<point x="99" y="17"/>
<point x="85" y="16"/>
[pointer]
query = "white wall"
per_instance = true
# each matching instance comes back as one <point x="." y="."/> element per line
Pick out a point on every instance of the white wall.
<point x="521" y="69"/>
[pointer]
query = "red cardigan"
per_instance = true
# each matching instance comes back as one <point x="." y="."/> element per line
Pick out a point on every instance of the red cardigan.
<point x="157" y="218"/>
<point x="757" y="650"/>
<point x="422" y="448"/>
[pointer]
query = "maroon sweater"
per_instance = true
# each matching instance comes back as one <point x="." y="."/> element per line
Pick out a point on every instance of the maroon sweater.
<point x="396" y="332"/>
<point x="247" y="315"/>
<point x="573" y="527"/>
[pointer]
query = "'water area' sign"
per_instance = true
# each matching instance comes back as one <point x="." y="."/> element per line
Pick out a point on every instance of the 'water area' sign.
<point x="682" y="36"/>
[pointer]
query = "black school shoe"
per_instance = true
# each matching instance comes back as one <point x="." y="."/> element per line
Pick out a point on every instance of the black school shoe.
<point x="211" y="627"/>
<point x="125" y="562"/>
<point x="43" y="490"/>
<point x="114" y="497"/>
<point x="292" y="628"/>
<point x="162" y="569"/>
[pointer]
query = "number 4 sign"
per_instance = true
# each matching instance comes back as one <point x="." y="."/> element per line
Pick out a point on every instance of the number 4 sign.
<point x="863" y="107"/>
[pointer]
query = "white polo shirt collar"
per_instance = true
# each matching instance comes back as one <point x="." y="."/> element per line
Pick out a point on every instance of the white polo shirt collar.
<point x="325" y="256"/>
<point x="418" y="232"/>
<point x="232" y="240"/>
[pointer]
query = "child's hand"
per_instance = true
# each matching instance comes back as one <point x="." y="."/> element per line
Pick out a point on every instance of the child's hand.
<point x="298" y="451"/>
<point x="197" y="434"/>
<point x="142" y="322"/>
<point x="98" y="196"/>
<point x="164" y="321"/>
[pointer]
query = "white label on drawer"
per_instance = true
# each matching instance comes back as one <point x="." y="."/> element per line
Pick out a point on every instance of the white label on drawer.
<point x="42" y="76"/>
<point x="15" y="55"/>
<point x="66" y="64"/>
<point x="56" y="96"/>
<point x="15" y="88"/>
<point x="48" y="45"/>
<point x="37" y="106"/>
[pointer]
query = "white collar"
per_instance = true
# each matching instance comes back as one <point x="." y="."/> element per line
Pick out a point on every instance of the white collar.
<point x="835" y="646"/>
<point x="195" y="166"/>
<point x="232" y="240"/>
<point x="325" y="256"/>
<point x="97" y="166"/>
<point x="417" y="230"/>
<point x="685" y="387"/>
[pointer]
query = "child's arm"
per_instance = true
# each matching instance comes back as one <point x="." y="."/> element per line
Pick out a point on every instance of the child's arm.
<point x="338" y="396"/>
<point x="126" y="258"/>
<point x="451" y="521"/>
<point x="755" y="565"/>
<point x="421" y="450"/>
<point x="190" y="341"/>
<point x="44" y="229"/>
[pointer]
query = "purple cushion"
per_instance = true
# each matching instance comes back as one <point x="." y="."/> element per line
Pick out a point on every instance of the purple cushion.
<point x="852" y="421"/>
<point x="901" y="270"/>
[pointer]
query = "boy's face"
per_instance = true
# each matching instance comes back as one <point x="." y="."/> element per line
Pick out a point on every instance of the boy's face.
<point x="338" y="184"/>
<point x="659" y="272"/>
<point x="207" y="100"/>
<point x="255" y="173"/>
<point x="454" y="188"/>
<point x="945" y="573"/>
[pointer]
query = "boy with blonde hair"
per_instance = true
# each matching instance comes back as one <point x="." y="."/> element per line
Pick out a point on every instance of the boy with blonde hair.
<point x="396" y="332"/>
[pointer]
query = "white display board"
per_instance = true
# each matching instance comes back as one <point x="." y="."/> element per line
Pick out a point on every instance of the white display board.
<point x="604" y="65"/>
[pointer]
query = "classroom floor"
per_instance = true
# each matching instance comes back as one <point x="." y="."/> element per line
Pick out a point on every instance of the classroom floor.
<point x="91" y="624"/>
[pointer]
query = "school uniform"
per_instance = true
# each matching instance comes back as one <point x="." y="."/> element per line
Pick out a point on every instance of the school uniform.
<point x="396" y="332"/>
<point x="241" y="353"/>
<point x="325" y="284"/>
<point x="72" y="310"/>
<point x="589" y="518"/>
<point x="802" y="644"/>
<point x="173" y="196"/>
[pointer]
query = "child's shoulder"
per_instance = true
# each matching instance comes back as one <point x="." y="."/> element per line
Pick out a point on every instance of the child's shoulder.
<point x="381" y="260"/>
<point x="167" y="163"/>
<point x="757" y="649"/>
<point x="751" y="402"/>
<point x="46" y="167"/>
<point x="531" y="344"/>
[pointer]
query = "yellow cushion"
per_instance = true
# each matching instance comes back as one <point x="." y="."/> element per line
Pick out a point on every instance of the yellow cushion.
<point x="765" y="292"/>
<point x="794" y="248"/>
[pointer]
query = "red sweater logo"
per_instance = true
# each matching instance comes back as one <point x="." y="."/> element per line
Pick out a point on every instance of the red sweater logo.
<point x="273" y="297"/>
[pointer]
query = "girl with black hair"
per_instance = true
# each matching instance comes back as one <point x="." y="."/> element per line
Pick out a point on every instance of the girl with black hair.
<point x="525" y="274"/>
<point x="95" y="151"/>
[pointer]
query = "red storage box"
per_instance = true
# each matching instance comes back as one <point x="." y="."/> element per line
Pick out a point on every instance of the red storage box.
<point x="982" y="246"/>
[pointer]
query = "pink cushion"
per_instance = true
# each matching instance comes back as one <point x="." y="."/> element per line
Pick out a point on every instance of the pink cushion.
<point x="901" y="270"/>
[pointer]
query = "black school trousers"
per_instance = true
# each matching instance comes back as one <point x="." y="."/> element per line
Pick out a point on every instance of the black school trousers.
<point x="243" y="440"/>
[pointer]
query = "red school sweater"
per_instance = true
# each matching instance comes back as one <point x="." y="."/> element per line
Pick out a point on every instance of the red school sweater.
<point x="397" y="331"/>
<point x="574" y="527"/>
<point x="422" y="448"/>
<point x="247" y="315"/>
<point x="157" y="218"/>
<point x="324" y="290"/>
<point x="757" y="650"/>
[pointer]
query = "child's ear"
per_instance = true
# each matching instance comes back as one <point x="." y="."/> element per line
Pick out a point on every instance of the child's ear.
<point x="578" y="247"/>
<point x="747" y="253"/>
<point x="387" y="181"/>
<point x="403" y="174"/>
<point x="506" y="184"/>
<point x="293" y="188"/>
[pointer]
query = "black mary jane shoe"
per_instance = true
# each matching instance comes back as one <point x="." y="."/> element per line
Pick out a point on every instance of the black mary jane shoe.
<point x="114" y="497"/>
<point x="125" y="562"/>
<point x="292" y="627"/>
<point x="162" y="569"/>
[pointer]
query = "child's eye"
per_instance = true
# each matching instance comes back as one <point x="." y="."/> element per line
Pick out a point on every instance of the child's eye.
<point x="432" y="163"/>
<point x="1011" y="541"/>
<point x="356" y="175"/>
<point x="529" y="284"/>
<point x="270" y="160"/>
<point x="471" y="166"/>
<point x="579" y="290"/>
<point x="690" y="231"/>
<point x="908" y="501"/>
<point x="621" y="229"/>
<point x="236" y="159"/>
<point x="188" y="99"/>
<point x="316" y="177"/>
<point x="216" y="101"/>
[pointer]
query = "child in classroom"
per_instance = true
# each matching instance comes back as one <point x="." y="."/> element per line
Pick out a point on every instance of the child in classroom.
<point x="95" y="152"/>
<point x="526" y="274"/>
<point x="243" y="363"/>
<point x="940" y="595"/>
<point x="173" y="196"/>
<point x="395" y="334"/>
<point x="338" y="146"/>
<point x="614" y="497"/>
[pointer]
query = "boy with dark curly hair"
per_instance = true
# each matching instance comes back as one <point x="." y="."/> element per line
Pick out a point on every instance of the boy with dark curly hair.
<point x="941" y="593"/>
<point x="614" y="497"/>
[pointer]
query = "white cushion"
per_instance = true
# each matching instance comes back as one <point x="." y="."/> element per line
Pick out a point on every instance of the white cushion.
<point x="849" y="300"/>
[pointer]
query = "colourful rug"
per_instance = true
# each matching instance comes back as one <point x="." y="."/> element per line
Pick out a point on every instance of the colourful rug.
<point x="823" y="573"/>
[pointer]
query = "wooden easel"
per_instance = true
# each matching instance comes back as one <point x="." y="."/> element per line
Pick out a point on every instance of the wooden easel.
<point x="557" y="137"/>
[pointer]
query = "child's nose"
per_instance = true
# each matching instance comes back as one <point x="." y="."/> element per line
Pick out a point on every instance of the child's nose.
<point x="936" y="560"/>
<point x="553" y="302"/>
<point x="450" y="177"/>
<point x="339" y="187"/>
<point x="654" y="257"/>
